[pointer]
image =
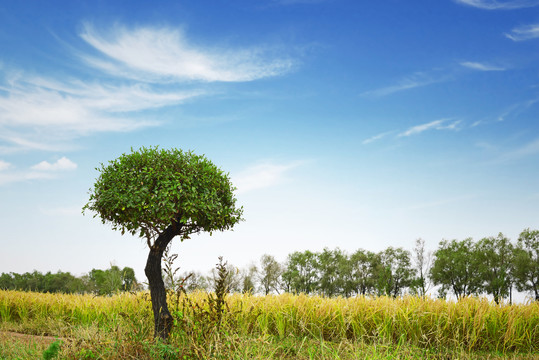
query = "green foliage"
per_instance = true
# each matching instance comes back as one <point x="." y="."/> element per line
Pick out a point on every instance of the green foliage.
<point x="110" y="281"/>
<point x="146" y="191"/>
<point x="52" y="350"/>
<point x="328" y="265"/>
<point x="494" y="258"/>
<point x="61" y="282"/>
<point x="301" y="274"/>
<point x="455" y="267"/>
<point x="526" y="262"/>
<point x="364" y="271"/>
<point x="395" y="272"/>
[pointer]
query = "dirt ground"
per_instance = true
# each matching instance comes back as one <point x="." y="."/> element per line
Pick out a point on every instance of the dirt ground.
<point x="6" y="336"/>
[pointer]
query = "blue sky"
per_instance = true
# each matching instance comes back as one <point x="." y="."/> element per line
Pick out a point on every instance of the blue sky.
<point x="342" y="123"/>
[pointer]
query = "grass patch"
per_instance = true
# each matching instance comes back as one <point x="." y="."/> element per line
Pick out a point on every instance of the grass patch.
<point x="267" y="327"/>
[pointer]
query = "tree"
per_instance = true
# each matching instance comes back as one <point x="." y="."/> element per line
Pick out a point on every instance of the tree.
<point x="422" y="260"/>
<point x="301" y="272"/>
<point x="455" y="267"/>
<point x="494" y="257"/>
<point x="193" y="281"/>
<point x="248" y="277"/>
<point x="396" y="271"/>
<point x="331" y="282"/>
<point x="269" y="274"/>
<point x="7" y="282"/>
<point x="526" y="262"/>
<point x="159" y="194"/>
<point x="365" y="266"/>
<point x="233" y="281"/>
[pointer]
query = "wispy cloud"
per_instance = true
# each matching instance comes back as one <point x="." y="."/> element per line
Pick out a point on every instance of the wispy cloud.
<point x="529" y="149"/>
<point x="441" y="124"/>
<point x="416" y="80"/>
<point x="165" y="54"/>
<point x="81" y="107"/>
<point x="40" y="171"/>
<point x="376" y="137"/>
<point x="60" y="165"/>
<point x="40" y="114"/>
<point x="7" y="177"/>
<point x="4" y="165"/>
<point x="143" y="69"/>
<point x="481" y="66"/>
<point x="499" y="5"/>
<point x="516" y="109"/>
<point x="522" y="33"/>
<point x="262" y="176"/>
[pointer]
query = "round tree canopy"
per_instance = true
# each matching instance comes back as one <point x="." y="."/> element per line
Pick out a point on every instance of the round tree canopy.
<point x="151" y="189"/>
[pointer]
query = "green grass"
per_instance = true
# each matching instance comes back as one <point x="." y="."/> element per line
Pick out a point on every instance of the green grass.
<point x="270" y="327"/>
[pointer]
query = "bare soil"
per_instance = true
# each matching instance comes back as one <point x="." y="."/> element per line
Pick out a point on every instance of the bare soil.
<point x="8" y="336"/>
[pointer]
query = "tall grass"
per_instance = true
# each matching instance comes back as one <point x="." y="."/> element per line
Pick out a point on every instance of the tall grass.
<point x="293" y="325"/>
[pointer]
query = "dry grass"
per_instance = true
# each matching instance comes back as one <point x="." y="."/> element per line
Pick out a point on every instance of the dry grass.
<point x="281" y="327"/>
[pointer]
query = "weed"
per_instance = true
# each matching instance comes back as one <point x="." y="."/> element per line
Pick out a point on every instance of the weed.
<point x="52" y="350"/>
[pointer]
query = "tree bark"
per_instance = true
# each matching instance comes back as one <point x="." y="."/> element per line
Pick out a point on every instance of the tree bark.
<point x="162" y="319"/>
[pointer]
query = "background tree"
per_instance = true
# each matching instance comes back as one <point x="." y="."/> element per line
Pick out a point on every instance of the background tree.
<point x="494" y="257"/>
<point x="330" y="282"/>
<point x="526" y="262"/>
<point x="396" y="271"/>
<point x="422" y="264"/>
<point x="7" y="282"/>
<point x="455" y="267"/>
<point x="193" y="281"/>
<point x="269" y="274"/>
<point x="233" y="280"/>
<point x="301" y="272"/>
<point x="248" y="279"/>
<point x="365" y="266"/>
<point x="160" y="194"/>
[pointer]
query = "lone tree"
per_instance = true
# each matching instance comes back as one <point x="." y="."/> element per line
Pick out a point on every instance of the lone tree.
<point x="160" y="194"/>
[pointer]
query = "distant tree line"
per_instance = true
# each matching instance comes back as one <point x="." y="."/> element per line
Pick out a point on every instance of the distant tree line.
<point x="492" y="265"/>
<point x="99" y="282"/>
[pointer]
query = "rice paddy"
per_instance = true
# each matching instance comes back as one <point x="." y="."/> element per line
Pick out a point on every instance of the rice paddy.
<point x="275" y="326"/>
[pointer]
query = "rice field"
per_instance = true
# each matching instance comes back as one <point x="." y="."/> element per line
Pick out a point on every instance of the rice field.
<point x="276" y="326"/>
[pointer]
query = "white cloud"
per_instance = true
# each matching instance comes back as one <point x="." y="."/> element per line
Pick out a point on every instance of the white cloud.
<point x="43" y="170"/>
<point x="4" y="165"/>
<point x="433" y="125"/>
<point x="42" y="114"/>
<point x="60" y="165"/>
<point x="516" y="109"/>
<point x="499" y="5"/>
<point x="418" y="79"/>
<point x="529" y="149"/>
<point x="165" y="54"/>
<point x="78" y="106"/>
<point x="481" y="66"/>
<point x="262" y="176"/>
<point x="47" y="113"/>
<point x="375" y="138"/>
<point x="526" y="32"/>
<point x="12" y="177"/>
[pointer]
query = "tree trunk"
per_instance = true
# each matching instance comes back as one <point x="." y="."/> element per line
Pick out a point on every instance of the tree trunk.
<point x="162" y="319"/>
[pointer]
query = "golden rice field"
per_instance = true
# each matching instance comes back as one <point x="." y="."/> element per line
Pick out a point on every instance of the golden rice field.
<point x="269" y="327"/>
